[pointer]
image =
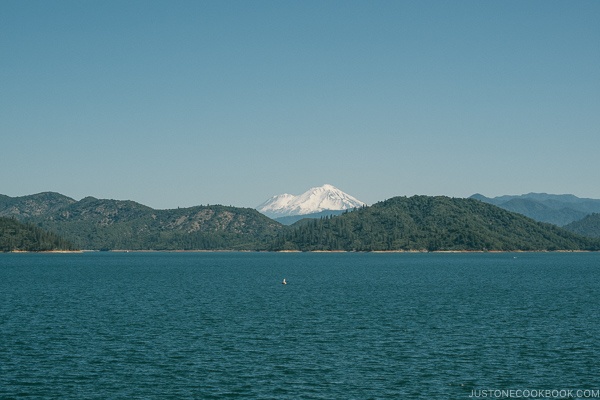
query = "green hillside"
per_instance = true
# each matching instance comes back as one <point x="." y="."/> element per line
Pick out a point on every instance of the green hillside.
<point x="33" y="205"/>
<point x="430" y="223"/>
<point x="588" y="226"/>
<point x="400" y="223"/>
<point x="114" y="224"/>
<point x="17" y="236"/>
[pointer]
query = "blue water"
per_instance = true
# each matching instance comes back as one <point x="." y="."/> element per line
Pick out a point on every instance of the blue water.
<point x="347" y="326"/>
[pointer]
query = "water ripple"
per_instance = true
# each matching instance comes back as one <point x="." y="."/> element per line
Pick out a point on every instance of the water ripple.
<point x="212" y="325"/>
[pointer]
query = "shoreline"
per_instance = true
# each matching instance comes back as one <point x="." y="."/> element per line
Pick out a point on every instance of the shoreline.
<point x="300" y="251"/>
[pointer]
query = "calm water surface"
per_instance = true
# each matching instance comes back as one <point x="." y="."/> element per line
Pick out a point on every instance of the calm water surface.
<point x="348" y="326"/>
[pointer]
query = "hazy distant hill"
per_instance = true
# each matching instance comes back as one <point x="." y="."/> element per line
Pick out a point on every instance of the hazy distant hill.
<point x="555" y="209"/>
<point x="15" y="235"/>
<point x="430" y="223"/>
<point x="588" y="226"/>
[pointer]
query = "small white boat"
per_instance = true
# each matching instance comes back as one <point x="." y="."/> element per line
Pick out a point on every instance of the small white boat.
<point x="284" y="282"/>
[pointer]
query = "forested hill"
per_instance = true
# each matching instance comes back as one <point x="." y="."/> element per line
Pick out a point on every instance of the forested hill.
<point x="33" y="205"/>
<point x="430" y="223"/>
<point x="400" y="223"/>
<point x="115" y="224"/>
<point x="588" y="226"/>
<point x="17" y="236"/>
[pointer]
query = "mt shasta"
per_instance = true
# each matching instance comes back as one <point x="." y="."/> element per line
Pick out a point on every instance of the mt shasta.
<point x="314" y="200"/>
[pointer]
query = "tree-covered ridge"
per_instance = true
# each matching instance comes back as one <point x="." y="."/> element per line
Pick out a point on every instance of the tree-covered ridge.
<point x="114" y="224"/>
<point x="416" y="223"/>
<point x="17" y="236"/>
<point x="33" y="205"/>
<point x="430" y="223"/>
<point x="588" y="226"/>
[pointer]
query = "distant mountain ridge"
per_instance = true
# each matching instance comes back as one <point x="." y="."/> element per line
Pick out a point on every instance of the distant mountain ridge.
<point x="314" y="200"/>
<point x="543" y="207"/>
<point x="588" y="226"/>
<point x="417" y="223"/>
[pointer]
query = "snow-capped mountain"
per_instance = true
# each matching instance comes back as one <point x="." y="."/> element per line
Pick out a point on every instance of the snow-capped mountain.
<point x="314" y="200"/>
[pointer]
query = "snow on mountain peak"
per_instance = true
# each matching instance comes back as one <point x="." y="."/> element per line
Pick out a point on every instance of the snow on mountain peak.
<point x="314" y="200"/>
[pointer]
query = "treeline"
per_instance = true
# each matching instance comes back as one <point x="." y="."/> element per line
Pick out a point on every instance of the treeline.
<point x="431" y="224"/>
<point x="123" y="238"/>
<point x="17" y="236"/>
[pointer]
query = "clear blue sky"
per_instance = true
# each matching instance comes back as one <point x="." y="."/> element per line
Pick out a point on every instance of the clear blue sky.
<point x="180" y="103"/>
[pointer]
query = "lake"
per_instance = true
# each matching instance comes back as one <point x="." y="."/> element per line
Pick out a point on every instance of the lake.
<point x="347" y="325"/>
